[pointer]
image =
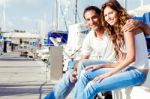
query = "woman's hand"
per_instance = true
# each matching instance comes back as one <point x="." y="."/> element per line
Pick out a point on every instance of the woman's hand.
<point x="101" y="77"/>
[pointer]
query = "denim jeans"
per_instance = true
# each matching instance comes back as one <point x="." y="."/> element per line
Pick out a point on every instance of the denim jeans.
<point x="61" y="89"/>
<point x="64" y="87"/>
<point x="86" y="62"/>
<point x="87" y="88"/>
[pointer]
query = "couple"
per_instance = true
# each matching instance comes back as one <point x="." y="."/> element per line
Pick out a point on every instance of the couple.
<point x="119" y="54"/>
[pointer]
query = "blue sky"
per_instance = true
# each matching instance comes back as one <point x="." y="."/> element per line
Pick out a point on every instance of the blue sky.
<point x="40" y="15"/>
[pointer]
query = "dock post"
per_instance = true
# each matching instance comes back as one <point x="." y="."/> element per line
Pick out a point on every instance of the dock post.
<point x="56" y="62"/>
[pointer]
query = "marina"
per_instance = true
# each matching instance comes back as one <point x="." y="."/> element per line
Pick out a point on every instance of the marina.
<point x="38" y="48"/>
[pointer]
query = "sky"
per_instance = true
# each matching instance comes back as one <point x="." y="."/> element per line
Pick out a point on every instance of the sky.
<point x="40" y="15"/>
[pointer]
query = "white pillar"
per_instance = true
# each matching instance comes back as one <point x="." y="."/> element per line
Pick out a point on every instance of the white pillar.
<point x="56" y="62"/>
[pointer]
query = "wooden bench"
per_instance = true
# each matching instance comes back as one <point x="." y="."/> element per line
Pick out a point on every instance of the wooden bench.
<point x="136" y="92"/>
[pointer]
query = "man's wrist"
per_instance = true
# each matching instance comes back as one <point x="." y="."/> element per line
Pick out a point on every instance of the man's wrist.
<point x="141" y="25"/>
<point x="75" y="69"/>
<point x="76" y="66"/>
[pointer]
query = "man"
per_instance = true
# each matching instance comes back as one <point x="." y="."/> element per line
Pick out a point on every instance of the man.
<point x="93" y="43"/>
<point x="96" y="42"/>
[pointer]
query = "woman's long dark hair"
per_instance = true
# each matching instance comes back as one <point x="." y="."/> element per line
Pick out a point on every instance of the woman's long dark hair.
<point x="115" y="31"/>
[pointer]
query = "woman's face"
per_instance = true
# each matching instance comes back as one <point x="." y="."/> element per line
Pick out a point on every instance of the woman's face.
<point x="110" y="16"/>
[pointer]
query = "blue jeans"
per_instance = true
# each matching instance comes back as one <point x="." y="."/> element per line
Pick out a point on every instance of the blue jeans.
<point x="84" y="63"/>
<point x="64" y="87"/>
<point x="87" y="88"/>
<point x="87" y="62"/>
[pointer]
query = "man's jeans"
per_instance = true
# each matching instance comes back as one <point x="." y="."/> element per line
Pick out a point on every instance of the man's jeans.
<point x="87" y="89"/>
<point x="63" y="88"/>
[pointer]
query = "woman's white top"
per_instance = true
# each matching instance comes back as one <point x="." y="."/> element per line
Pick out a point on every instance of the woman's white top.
<point x="141" y="60"/>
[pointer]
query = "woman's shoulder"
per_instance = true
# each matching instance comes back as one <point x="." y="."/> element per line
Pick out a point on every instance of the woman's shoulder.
<point x="134" y="32"/>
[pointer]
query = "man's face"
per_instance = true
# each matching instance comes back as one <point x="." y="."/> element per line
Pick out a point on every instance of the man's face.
<point x="93" y="20"/>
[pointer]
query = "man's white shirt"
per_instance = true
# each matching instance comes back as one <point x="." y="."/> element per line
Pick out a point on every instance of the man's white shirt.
<point x="97" y="48"/>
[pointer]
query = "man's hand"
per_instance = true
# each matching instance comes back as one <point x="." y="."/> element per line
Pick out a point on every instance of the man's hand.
<point x="98" y="66"/>
<point x="94" y="67"/>
<point x="130" y="25"/>
<point x="73" y="76"/>
<point x="76" y="65"/>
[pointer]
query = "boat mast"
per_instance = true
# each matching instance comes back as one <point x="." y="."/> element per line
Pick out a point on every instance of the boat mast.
<point x="56" y="15"/>
<point x="3" y="16"/>
<point x="125" y="4"/>
<point x="76" y="10"/>
<point x="142" y="3"/>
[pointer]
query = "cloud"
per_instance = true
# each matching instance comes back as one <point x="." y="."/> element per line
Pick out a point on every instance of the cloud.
<point x="21" y="23"/>
<point x="11" y="24"/>
<point x="66" y="2"/>
<point x="32" y="2"/>
<point x="7" y="2"/>
<point x="1" y="2"/>
<point x="28" y="20"/>
<point x="12" y="2"/>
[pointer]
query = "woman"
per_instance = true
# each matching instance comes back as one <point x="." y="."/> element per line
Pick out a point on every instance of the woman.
<point x="131" y="66"/>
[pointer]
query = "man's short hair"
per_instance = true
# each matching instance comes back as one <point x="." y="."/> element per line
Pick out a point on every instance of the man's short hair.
<point x="96" y="9"/>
